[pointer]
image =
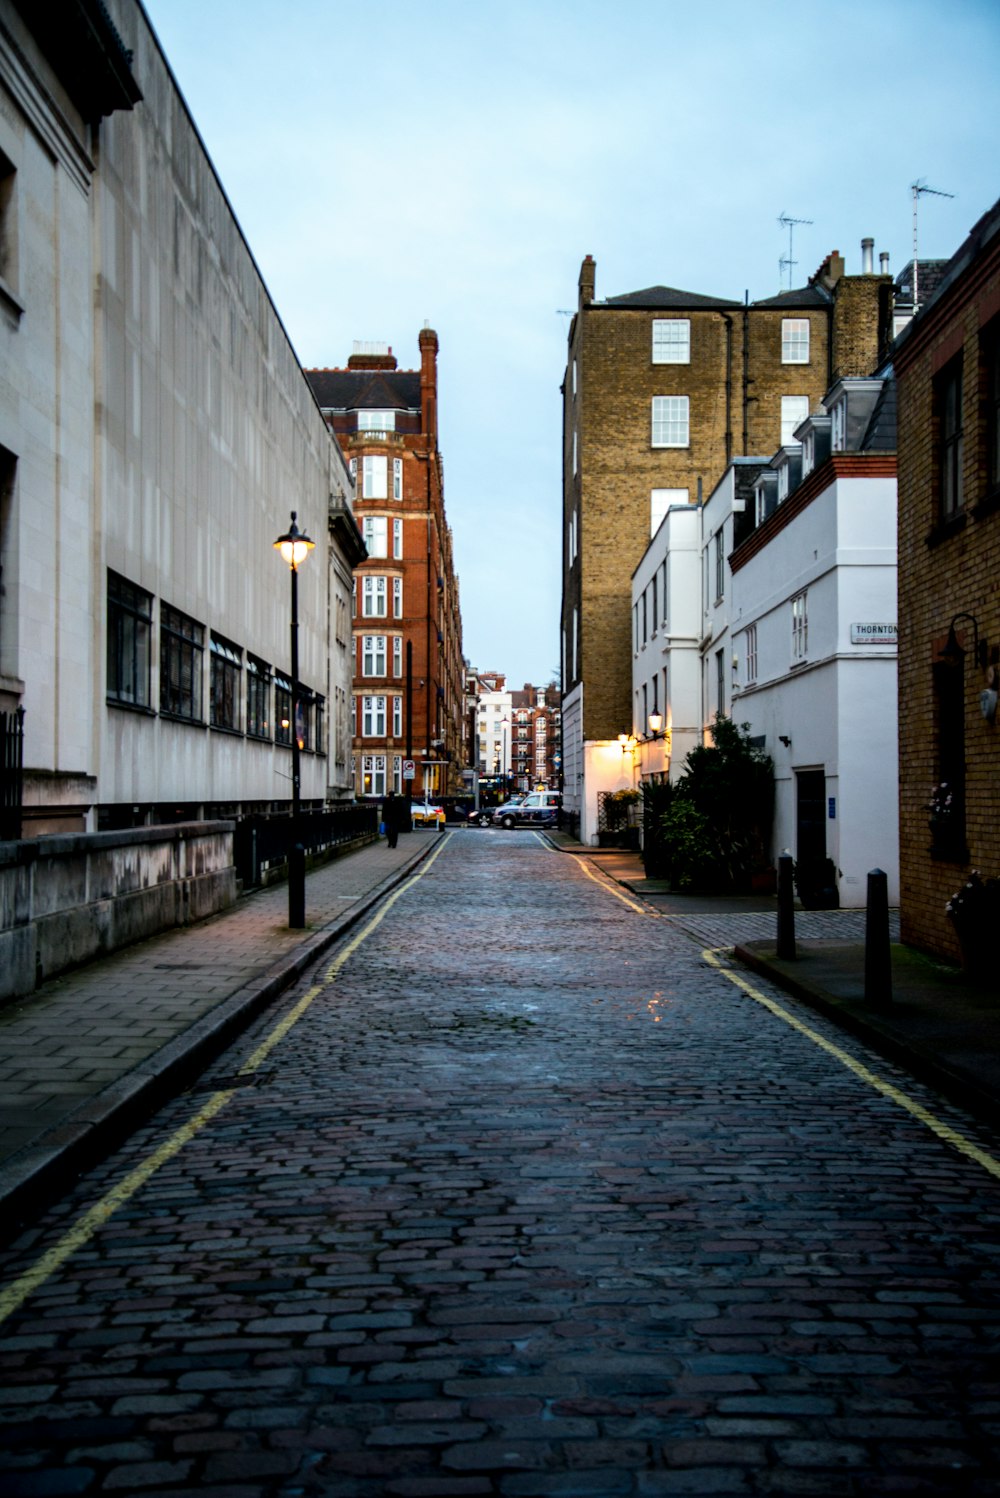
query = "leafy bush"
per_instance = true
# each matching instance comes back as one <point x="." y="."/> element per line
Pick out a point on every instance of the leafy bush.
<point x="711" y="830"/>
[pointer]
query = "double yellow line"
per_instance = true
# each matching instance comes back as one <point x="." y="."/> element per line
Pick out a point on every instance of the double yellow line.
<point x="17" y="1292"/>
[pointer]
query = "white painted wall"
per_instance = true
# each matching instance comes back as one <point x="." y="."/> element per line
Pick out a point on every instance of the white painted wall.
<point x="672" y="640"/>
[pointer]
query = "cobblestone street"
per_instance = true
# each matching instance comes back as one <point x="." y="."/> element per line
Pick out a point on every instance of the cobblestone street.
<point x="523" y="1196"/>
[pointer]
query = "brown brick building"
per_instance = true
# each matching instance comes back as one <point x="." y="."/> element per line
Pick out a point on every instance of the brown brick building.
<point x="947" y="363"/>
<point x="662" y="388"/>
<point x="406" y="602"/>
<point x="536" y="740"/>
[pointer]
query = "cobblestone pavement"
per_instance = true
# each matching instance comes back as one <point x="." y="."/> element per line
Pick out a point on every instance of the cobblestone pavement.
<point x="525" y="1198"/>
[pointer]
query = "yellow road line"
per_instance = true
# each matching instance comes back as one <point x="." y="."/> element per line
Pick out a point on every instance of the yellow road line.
<point x="15" y="1294"/>
<point x="612" y="889"/>
<point x="944" y="1131"/>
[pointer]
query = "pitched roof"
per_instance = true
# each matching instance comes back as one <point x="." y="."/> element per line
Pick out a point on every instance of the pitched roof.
<point x="666" y="296"/>
<point x="804" y="296"/>
<point x="365" y="389"/>
<point x="880" y="433"/>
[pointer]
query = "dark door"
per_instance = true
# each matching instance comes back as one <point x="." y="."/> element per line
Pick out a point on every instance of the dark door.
<point x="810" y="834"/>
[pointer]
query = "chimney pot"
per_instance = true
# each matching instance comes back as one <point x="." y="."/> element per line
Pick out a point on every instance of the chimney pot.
<point x="867" y="249"/>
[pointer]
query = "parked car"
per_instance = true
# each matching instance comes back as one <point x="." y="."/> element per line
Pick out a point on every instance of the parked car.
<point x="484" y="816"/>
<point x="424" y="814"/>
<point x="537" y="809"/>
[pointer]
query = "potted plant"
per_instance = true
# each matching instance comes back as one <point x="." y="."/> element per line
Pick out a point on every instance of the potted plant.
<point x="974" y="912"/>
<point x="816" y="883"/>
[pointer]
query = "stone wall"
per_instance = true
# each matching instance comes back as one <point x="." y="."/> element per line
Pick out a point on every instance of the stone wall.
<point x="65" y="900"/>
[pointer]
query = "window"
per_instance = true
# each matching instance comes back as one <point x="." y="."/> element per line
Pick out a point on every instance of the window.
<point x="373" y="717"/>
<point x="397" y="540"/>
<point x="750" y="642"/>
<point x="8" y="223"/>
<point x="720" y="565"/>
<point x="130" y="624"/>
<point x="838" y="426"/>
<point x="720" y="681"/>
<point x="948" y="400"/>
<point x="376" y="421"/>
<point x="375" y="529"/>
<point x="670" y="421"/>
<point x="397" y="478"/>
<point x="671" y="341"/>
<point x="654" y="603"/>
<point x="181" y="650"/>
<point x="373" y="477"/>
<point x="991" y="405"/>
<point x="282" y="710"/>
<point x="397" y="717"/>
<point x="373" y="597"/>
<point x="319" y="720"/>
<point x="660" y="501"/>
<point x="226" y="674"/>
<point x="397" y="656"/>
<point x="794" y="409"/>
<point x="795" y="340"/>
<point x="258" y="698"/>
<point x="373" y="774"/>
<point x="397" y="598"/>
<point x="800" y="627"/>
<point x="373" y="655"/>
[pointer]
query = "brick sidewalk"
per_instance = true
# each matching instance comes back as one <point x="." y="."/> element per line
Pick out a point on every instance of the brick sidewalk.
<point x="92" y="1052"/>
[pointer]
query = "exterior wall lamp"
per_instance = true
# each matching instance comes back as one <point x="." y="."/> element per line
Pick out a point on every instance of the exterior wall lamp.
<point x="655" y="723"/>
<point x="294" y="546"/>
<point x="953" y="651"/>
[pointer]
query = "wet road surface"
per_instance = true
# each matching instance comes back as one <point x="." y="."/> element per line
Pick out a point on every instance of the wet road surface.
<point x="524" y="1197"/>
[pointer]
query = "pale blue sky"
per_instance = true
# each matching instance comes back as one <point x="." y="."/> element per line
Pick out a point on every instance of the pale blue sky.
<point x="394" y="163"/>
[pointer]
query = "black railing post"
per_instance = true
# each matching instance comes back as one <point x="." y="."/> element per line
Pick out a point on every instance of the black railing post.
<point x="878" y="960"/>
<point x="11" y="773"/>
<point x="786" y="910"/>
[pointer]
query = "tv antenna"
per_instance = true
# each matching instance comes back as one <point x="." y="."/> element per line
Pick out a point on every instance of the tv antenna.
<point x="917" y="188"/>
<point x="789" y="223"/>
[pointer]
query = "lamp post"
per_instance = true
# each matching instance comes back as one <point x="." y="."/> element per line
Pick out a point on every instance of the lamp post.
<point x="294" y="547"/>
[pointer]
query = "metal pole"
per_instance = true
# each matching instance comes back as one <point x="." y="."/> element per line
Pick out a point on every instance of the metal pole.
<point x="786" y="910"/>
<point x="296" y="852"/>
<point x="878" y="960"/>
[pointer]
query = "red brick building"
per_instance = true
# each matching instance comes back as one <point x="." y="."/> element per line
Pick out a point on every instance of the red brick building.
<point x="536" y="742"/>
<point x="409" y="674"/>
<point x="947" y="363"/>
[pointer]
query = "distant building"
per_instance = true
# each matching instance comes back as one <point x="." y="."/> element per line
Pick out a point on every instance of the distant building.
<point x="947" y="362"/>
<point x="662" y="389"/>
<point x="536" y="740"/>
<point x="406" y="606"/>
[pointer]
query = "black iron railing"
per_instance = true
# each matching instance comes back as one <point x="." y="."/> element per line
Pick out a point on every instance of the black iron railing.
<point x="260" y="843"/>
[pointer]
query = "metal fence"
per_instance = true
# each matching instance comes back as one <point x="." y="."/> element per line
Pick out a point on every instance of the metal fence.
<point x="11" y="773"/>
<point x="260" y="844"/>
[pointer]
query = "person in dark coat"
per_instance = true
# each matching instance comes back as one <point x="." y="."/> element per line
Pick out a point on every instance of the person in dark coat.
<point x="392" y="809"/>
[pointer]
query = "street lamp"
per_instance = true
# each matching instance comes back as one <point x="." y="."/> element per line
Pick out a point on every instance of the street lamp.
<point x="294" y="547"/>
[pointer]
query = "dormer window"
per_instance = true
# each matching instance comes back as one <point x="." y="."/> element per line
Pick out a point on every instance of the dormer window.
<point x="838" y="426"/>
<point x="794" y="409"/>
<point x="376" y="421"/>
<point x="808" y="453"/>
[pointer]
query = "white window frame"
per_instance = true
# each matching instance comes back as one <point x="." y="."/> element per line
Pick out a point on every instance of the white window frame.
<point x="671" y="421"/>
<point x="397" y="478"/>
<point x="374" y="469"/>
<point x="375" y="531"/>
<point x="397" y="598"/>
<point x="671" y="340"/>
<point x="750" y="645"/>
<point x="397" y="540"/>
<point x="795" y="340"/>
<point x="373" y="717"/>
<point x="794" y="410"/>
<point x="720" y="565"/>
<point x="397" y="655"/>
<point x="800" y="626"/>
<point x="376" y="421"/>
<point x="373" y="766"/>
<point x="373" y="597"/>
<point x="373" y="655"/>
<point x="397" y="717"/>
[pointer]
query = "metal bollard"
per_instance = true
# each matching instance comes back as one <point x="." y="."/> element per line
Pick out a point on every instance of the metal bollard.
<point x="878" y="962"/>
<point x="786" y="909"/>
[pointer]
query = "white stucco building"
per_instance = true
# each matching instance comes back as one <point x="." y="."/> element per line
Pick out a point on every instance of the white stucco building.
<point x="813" y="617"/>
<point x="156" y="432"/>
<point x="666" y="636"/>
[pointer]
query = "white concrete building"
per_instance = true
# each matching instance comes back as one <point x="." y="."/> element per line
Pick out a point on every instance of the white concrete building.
<point x="156" y="431"/>
<point x="666" y="637"/>
<point x="726" y="518"/>
<point x="813" y="619"/>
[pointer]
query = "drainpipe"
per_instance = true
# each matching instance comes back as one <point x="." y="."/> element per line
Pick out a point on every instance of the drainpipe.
<point x="746" y="371"/>
<point x="729" y="384"/>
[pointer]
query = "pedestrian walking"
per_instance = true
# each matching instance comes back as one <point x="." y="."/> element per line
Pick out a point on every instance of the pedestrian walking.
<point x="391" y="813"/>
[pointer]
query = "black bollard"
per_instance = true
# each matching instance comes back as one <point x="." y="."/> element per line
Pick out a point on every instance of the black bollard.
<point x="786" y="909"/>
<point x="878" y="963"/>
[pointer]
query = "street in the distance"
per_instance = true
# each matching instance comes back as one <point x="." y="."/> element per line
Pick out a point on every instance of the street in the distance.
<point x="519" y="1193"/>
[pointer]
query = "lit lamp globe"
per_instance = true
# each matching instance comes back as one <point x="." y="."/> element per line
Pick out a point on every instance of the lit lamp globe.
<point x="294" y="545"/>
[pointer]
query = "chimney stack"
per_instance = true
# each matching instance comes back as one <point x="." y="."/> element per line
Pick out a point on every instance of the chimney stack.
<point x="588" y="277"/>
